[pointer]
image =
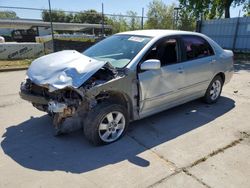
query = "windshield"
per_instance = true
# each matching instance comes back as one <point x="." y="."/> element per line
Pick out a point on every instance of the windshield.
<point x="118" y="50"/>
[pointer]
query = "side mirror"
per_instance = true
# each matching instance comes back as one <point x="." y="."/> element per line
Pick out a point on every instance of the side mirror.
<point x="151" y="64"/>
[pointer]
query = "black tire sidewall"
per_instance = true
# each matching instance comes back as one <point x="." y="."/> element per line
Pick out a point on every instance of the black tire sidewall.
<point x="207" y="96"/>
<point x="94" y="118"/>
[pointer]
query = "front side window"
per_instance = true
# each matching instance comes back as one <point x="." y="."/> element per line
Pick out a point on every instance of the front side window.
<point x="118" y="50"/>
<point x="196" y="47"/>
<point x="165" y="51"/>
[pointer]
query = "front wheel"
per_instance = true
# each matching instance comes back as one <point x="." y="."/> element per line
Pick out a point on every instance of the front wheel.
<point x="106" y="123"/>
<point x="214" y="90"/>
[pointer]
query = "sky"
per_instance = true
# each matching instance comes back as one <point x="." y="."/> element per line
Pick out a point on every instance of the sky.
<point x="110" y="6"/>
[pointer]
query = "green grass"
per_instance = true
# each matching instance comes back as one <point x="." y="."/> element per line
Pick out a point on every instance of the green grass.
<point x="6" y="64"/>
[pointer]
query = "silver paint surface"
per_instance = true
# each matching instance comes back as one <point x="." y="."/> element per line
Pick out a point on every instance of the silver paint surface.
<point x="67" y="68"/>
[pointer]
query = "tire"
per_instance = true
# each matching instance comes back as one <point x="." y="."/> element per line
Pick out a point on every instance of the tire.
<point x="56" y="130"/>
<point x="102" y="126"/>
<point x="214" y="90"/>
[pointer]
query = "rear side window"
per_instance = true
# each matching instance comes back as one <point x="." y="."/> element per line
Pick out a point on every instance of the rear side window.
<point x="196" y="47"/>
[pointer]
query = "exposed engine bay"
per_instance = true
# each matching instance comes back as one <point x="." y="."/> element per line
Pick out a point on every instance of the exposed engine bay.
<point x="106" y="73"/>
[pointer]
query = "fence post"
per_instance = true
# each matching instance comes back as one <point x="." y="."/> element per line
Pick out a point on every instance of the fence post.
<point x="198" y="26"/>
<point x="236" y="32"/>
<point x="52" y="30"/>
<point x="142" y="15"/>
<point x="102" y="20"/>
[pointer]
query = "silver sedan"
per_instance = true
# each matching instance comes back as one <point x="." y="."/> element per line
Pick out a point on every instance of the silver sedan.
<point x="126" y="77"/>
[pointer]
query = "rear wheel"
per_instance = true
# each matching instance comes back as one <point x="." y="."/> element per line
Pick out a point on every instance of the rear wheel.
<point x="106" y="123"/>
<point x="214" y="90"/>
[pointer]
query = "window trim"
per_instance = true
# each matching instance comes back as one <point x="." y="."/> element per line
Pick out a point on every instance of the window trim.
<point x="184" y="56"/>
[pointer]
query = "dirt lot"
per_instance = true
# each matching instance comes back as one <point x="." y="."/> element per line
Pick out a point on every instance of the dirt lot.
<point x="193" y="145"/>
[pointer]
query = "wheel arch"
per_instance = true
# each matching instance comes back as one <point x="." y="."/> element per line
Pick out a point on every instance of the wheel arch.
<point x="222" y="75"/>
<point x="118" y="98"/>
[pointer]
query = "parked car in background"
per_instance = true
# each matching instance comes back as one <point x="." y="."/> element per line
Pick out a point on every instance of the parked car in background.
<point x="126" y="77"/>
<point x="2" y="40"/>
<point x="24" y="35"/>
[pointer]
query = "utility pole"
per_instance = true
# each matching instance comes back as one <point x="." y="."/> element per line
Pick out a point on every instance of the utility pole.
<point x="176" y="17"/>
<point x="102" y="20"/>
<point x="142" y="16"/>
<point x="51" y="27"/>
<point x="173" y="20"/>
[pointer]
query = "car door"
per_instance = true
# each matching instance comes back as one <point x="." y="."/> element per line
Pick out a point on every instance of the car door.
<point x="159" y="88"/>
<point x="198" y="62"/>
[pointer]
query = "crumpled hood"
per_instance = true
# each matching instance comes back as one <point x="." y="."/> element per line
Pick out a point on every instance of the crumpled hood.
<point x="67" y="68"/>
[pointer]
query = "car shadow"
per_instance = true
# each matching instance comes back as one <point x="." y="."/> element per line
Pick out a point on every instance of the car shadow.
<point x="32" y="145"/>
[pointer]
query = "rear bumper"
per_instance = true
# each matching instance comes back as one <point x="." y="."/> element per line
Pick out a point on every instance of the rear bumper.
<point x="229" y="75"/>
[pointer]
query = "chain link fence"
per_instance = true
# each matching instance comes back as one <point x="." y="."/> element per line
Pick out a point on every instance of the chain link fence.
<point x="119" y="22"/>
<point x="60" y="29"/>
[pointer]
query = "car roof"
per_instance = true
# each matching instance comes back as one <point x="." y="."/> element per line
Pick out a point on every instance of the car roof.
<point x="157" y="32"/>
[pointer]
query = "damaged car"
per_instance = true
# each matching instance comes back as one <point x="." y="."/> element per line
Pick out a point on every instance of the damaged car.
<point x="125" y="77"/>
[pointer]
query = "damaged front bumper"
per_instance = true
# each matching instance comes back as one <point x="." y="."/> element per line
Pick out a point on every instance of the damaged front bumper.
<point x="65" y="115"/>
<point x="33" y="98"/>
<point x="27" y="94"/>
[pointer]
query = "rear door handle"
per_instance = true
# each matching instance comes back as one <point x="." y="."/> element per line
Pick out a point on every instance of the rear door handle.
<point x="213" y="61"/>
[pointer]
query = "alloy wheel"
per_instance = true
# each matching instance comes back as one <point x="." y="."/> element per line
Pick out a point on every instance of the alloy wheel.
<point x="215" y="90"/>
<point x="111" y="126"/>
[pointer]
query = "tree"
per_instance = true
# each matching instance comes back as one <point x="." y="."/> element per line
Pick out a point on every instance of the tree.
<point x="88" y="16"/>
<point x="134" y="21"/>
<point x="69" y="18"/>
<point x="160" y="16"/>
<point x="56" y="16"/>
<point x="211" y="8"/>
<point x="246" y="8"/>
<point x="187" y="21"/>
<point x="118" y="23"/>
<point x="8" y="14"/>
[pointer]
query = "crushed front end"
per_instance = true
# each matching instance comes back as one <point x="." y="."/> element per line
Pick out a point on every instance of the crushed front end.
<point x="62" y="104"/>
<point x="69" y="106"/>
